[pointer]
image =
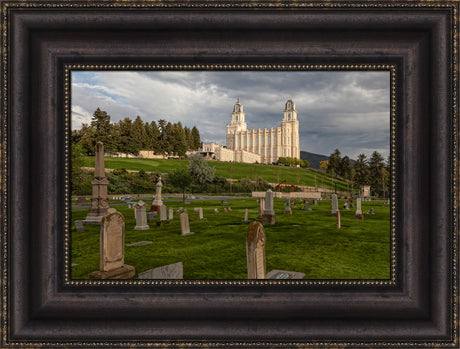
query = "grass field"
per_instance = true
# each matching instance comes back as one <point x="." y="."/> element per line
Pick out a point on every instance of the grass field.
<point x="272" y="174"/>
<point x="306" y="241"/>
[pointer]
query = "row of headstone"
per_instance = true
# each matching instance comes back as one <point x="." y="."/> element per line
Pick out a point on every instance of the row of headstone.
<point x="335" y="207"/>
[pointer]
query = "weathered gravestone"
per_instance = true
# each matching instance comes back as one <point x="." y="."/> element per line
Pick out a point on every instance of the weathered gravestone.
<point x="315" y="201"/>
<point x="170" y="214"/>
<point x="157" y="201"/>
<point x="170" y="271"/>
<point x="335" y="204"/>
<point x="112" y="249"/>
<point x="246" y="215"/>
<point x="163" y="213"/>
<point x="261" y="207"/>
<point x="99" y="199"/>
<point x="200" y="212"/>
<point x="287" y="207"/>
<point x="307" y="206"/>
<point x="151" y="217"/>
<point x="81" y="200"/>
<point x="224" y="202"/>
<point x="79" y="228"/>
<point x="268" y="216"/>
<point x="184" y="224"/>
<point x="358" y="213"/>
<point x="255" y="251"/>
<point x="141" y="216"/>
<point x="277" y="274"/>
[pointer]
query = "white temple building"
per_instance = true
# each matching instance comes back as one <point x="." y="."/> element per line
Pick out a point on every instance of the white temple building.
<point x="258" y="145"/>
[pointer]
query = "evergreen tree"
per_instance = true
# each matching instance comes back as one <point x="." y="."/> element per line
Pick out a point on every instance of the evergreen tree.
<point x="188" y="137"/>
<point x="162" y="146"/>
<point x="180" y="179"/>
<point x="169" y="138"/>
<point x="196" y="141"/>
<point x="335" y="162"/>
<point x="86" y="139"/>
<point x="345" y="167"/>
<point x="361" y="170"/>
<point x="180" y="141"/>
<point x="102" y="129"/>
<point x="139" y="135"/>
<point x="155" y="137"/>
<point x="376" y="171"/>
<point x="126" y="142"/>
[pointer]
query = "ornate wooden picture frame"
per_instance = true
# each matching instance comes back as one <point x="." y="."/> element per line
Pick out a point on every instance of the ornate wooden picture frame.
<point x="42" y="40"/>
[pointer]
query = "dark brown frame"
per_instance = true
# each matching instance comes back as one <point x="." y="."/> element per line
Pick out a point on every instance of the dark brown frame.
<point x="38" y="307"/>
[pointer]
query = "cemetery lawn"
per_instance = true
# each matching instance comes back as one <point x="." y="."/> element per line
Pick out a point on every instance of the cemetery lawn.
<point x="296" y="176"/>
<point x="306" y="241"/>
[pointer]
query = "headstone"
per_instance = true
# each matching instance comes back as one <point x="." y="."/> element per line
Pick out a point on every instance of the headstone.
<point x="81" y="200"/>
<point x="268" y="217"/>
<point x="315" y="201"/>
<point x="255" y="251"/>
<point x="358" y="213"/>
<point x="225" y="209"/>
<point x="229" y="209"/>
<point x="170" y="271"/>
<point x="261" y="207"/>
<point x="141" y="243"/>
<point x="163" y="213"/>
<point x="338" y="219"/>
<point x="287" y="207"/>
<point x="216" y="210"/>
<point x="184" y="224"/>
<point x="157" y="202"/>
<point x="345" y="205"/>
<point x="187" y="202"/>
<point x="79" y="228"/>
<point x="246" y="215"/>
<point x="170" y="214"/>
<point x="371" y="211"/>
<point x="150" y="217"/>
<point x="276" y="274"/>
<point x="141" y="216"/>
<point x="112" y="249"/>
<point x="352" y="205"/>
<point x="224" y="202"/>
<point x="131" y="204"/>
<point x="335" y="204"/>
<point x="99" y="199"/>
<point x="307" y="206"/>
<point x="200" y="212"/>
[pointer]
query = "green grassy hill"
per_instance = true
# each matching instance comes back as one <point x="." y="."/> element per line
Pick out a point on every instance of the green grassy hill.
<point x="271" y="173"/>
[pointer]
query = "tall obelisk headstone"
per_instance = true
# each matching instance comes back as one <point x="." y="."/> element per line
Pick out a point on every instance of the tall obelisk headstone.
<point x="99" y="199"/>
<point x="255" y="251"/>
<point x="112" y="249"/>
<point x="157" y="202"/>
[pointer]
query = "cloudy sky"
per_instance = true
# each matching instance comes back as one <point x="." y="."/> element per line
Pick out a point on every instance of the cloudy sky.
<point x="336" y="109"/>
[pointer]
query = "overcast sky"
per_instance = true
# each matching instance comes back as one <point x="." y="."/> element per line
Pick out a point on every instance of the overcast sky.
<point x="345" y="110"/>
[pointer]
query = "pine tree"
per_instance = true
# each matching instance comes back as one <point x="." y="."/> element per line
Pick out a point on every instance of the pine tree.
<point x="361" y="170"/>
<point x="335" y="162"/>
<point x="180" y="141"/>
<point x="126" y="142"/>
<point x="196" y="141"/>
<point x="376" y="171"/>
<point x="188" y="137"/>
<point x="345" y="167"/>
<point x="139" y="135"/>
<point x="102" y="129"/>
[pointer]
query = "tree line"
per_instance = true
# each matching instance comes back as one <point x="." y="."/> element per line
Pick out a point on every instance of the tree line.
<point x="127" y="136"/>
<point x="374" y="171"/>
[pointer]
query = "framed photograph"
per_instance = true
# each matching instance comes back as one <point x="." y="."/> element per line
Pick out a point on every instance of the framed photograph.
<point x="188" y="174"/>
